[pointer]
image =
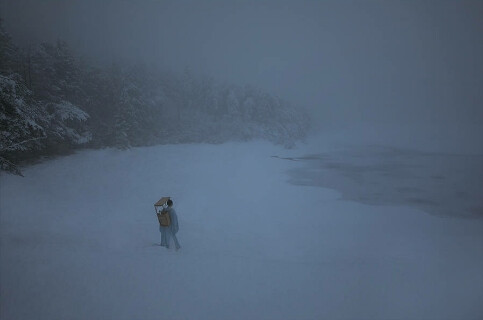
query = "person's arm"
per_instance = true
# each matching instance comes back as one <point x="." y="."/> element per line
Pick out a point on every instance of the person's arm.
<point x="174" y="221"/>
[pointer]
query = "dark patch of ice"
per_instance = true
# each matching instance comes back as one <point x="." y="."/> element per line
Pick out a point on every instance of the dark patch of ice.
<point x="438" y="183"/>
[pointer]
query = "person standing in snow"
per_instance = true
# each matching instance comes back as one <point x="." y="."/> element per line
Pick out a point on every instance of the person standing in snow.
<point x="171" y="230"/>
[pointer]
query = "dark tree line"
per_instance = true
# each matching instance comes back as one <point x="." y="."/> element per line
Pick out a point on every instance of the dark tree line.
<point x="51" y="102"/>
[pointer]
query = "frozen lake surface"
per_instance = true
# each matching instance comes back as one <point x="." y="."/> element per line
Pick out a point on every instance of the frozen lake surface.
<point x="438" y="183"/>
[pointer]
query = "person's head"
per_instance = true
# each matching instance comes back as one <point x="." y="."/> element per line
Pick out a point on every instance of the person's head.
<point x="169" y="203"/>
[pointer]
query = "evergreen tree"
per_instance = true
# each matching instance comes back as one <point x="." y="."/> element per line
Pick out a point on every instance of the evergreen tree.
<point x="9" y="53"/>
<point x="51" y="103"/>
<point x="22" y="122"/>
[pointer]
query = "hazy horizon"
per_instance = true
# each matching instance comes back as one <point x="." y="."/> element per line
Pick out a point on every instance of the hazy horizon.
<point x="411" y="63"/>
<point x="376" y="214"/>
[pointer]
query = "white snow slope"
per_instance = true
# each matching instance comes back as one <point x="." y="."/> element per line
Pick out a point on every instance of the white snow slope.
<point x="80" y="240"/>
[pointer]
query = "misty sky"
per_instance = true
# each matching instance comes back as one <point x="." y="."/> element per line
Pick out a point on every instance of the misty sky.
<point x="376" y="61"/>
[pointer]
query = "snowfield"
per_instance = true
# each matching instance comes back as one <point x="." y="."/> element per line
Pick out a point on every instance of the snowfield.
<point x="80" y="240"/>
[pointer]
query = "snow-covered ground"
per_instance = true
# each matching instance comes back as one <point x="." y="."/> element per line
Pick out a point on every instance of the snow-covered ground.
<point x="80" y="240"/>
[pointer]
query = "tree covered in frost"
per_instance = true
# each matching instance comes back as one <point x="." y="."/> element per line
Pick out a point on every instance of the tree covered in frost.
<point x="52" y="103"/>
<point x="8" y="53"/>
<point x="22" y="122"/>
<point x="55" y="80"/>
<point x="36" y="111"/>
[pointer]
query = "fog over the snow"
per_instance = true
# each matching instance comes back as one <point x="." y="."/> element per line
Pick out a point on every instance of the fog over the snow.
<point x="377" y="216"/>
<point x="394" y="63"/>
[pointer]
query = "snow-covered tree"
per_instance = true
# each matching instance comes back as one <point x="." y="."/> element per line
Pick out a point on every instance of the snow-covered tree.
<point x="65" y="123"/>
<point x="232" y="104"/>
<point x="9" y="53"/>
<point x="22" y="122"/>
<point x="52" y="103"/>
<point x="55" y="73"/>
